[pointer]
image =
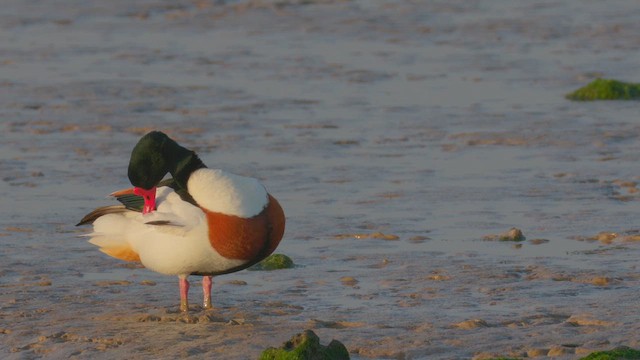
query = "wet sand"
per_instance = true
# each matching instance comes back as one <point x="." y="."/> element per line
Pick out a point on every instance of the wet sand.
<point x="397" y="135"/>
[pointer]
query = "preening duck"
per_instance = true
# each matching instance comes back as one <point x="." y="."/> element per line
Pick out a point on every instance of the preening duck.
<point x="201" y="221"/>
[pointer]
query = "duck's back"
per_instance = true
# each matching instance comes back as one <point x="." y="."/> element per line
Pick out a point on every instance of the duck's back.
<point x="225" y="193"/>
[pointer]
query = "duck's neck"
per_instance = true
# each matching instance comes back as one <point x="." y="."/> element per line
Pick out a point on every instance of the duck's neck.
<point x="182" y="163"/>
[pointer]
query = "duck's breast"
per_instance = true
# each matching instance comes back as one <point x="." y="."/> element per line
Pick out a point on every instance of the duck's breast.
<point x="247" y="239"/>
<point x="244" y="221"/>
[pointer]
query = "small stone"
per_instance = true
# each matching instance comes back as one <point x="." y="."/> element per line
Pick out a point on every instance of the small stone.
<point x="419" y="239"/>
<point x="236" y="282"/>
<point x="601" y="281"/>
<point x="556" y="351"/>
<point x="587" y="320"/>
<point x="471" y="324"/>
<point x="606" y="237"/>
<point x="439" y="277"/>
<point x="537" y="352"/>
<point x="348" y="281"/>
<point x="513" y="234"/>
<point x="107" y="283"/>
<point x="379" y="235"/>
<point x="538" y="241"/>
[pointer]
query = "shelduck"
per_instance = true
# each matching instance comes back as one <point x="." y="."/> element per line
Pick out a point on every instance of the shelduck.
<point x="201" y="221"/>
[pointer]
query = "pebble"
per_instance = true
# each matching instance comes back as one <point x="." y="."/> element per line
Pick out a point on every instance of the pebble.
<point x="513" y="234"/>
<point x="537" y="352"/>
<point x="349" y="281"/>
<point x="556" y="351"/>
<point x="471" y="324"/>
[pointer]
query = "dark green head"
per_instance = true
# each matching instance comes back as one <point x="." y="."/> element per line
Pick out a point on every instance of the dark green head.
<point x="148" y="164"/>
<point x="152" y="158"/>
<point x="155" y="155"/>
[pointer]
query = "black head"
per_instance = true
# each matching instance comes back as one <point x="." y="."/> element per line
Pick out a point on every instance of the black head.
<point x="148" y="164"/>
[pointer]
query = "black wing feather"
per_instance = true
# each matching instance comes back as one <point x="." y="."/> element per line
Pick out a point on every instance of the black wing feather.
<point x="131" y="202"/>
<point x="104" y="210"/>
<point x="136" y="202"/>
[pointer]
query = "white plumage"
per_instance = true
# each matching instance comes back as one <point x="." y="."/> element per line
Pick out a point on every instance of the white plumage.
<point x="182" y="246"/>
<point x="223" y="192"/>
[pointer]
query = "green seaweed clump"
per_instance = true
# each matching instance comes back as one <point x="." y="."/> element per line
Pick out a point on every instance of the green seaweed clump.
<point x="306" y="346"/>
<point x="622" y="352"/>
<point x="606" y="89"/>
<point x="274" y="262"/>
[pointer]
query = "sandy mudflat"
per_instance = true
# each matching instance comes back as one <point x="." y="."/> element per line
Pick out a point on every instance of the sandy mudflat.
<point x="397" y="135"/>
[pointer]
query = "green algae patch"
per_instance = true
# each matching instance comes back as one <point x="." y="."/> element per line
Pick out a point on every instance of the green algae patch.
<point x="306" y="346"/>
<point x="606" y="89"/>
<point x="619" y="353"/>
<point x="274" y="262"/>
<point x="622" y="352"/>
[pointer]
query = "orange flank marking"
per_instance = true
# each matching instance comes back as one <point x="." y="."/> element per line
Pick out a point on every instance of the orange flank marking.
<point x="240" y="238"/>
<point x="122" y="252"/>
<point x="275" y="214"/>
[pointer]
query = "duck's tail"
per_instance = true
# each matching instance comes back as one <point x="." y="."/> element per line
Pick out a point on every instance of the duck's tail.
<point x="110" y="232"/>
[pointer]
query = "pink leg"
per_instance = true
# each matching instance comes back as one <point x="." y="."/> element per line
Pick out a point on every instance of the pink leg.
<point x="184" y="294"/>
<point x="206" y="290"/>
